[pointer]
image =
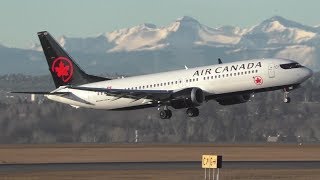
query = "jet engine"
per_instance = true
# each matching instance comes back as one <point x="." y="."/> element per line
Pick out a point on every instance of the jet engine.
<point x="190" y="97"/>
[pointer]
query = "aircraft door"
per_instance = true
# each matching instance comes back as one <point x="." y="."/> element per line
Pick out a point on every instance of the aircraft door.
<point x="271" y="71"/>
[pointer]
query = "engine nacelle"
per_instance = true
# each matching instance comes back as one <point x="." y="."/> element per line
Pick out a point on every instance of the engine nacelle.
<point x="190" y="97"/>
<point x="238" y="99"/>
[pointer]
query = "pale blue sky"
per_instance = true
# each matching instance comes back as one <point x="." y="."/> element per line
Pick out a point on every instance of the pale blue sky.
<point x="21" y="19"/>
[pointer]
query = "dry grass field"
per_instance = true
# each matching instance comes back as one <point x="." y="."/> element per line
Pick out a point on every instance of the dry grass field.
<point x="144" y="153"/>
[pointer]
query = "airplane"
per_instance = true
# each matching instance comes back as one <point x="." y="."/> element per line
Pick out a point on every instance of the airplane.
<point x="227" y="83"/>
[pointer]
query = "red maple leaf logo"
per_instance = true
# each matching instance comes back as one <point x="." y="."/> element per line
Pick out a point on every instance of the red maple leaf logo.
<point x="63" y="68"/>
<point x="258" y="80"/>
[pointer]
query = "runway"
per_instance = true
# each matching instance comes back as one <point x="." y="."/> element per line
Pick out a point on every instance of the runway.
<point x="7" y="168"/>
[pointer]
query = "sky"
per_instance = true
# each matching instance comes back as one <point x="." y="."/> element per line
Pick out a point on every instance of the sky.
<point x="21" y="19"/>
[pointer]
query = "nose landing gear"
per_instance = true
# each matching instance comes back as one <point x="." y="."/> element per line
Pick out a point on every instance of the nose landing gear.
<point x="286" y="98"/>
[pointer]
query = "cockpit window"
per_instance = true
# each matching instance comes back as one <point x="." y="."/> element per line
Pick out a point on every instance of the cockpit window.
<point x="290" y="65"/>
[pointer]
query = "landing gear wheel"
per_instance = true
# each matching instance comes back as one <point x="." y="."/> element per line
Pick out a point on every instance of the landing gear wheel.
<point x="287" y="100"/>
<point x="165" y="114"/>
<point x="169" y="113"/>
<point x="193" y="112"/>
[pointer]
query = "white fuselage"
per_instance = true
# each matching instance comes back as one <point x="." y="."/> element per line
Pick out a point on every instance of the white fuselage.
<point x="213" y="80"/>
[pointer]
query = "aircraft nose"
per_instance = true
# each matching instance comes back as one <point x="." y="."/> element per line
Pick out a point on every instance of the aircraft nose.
<point x="307" y="73"/>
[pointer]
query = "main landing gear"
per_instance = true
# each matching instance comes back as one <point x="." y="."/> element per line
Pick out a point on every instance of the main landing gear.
<point x="193" y="112"/>
<point x="286" y="98"/>
<point x="167" y="113"/>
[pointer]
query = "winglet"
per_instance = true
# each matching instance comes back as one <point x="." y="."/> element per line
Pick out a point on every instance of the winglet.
<point x="219" y="61"/>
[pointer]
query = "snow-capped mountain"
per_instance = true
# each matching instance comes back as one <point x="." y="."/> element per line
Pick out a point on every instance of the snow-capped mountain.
<point x="147" y="48"/>
<point x="278" y="32"/>
<point x="185" y="32"/>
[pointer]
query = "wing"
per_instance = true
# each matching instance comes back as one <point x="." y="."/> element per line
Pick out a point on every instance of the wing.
<point x="39" y="92"/>
<point x="155" y="95"/>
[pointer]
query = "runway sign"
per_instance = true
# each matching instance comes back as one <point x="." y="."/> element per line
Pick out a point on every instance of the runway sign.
<point x="211" y="161"/>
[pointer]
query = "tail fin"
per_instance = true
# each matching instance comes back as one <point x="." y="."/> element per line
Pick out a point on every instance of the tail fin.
<point x="64" y="70"/>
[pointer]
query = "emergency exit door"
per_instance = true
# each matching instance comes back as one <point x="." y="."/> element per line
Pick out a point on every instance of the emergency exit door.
<point x="271" y="71"/>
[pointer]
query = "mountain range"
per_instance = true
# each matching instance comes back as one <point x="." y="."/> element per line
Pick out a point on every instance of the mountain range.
<point x="146" y="48"/>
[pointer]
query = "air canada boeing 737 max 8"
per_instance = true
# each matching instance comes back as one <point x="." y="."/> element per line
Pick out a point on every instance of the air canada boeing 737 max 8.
<point x="227" y="83"/>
